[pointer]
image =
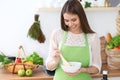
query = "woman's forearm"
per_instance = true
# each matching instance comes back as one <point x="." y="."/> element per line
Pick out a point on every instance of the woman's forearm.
<point x="91" y="70"/>
<point x="51" y="65"/>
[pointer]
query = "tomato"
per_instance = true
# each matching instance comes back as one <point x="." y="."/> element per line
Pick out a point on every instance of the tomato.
<point x="118" y="47"/>
<point x="18" y="60"/>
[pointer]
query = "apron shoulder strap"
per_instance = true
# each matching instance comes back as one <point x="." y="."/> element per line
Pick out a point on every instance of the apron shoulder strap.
<point x="86" y="39"/>
<point x="64" y="37"/>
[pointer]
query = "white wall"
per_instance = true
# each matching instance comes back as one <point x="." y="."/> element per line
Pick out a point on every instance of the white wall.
<point x="16" y="17"/>
<point x="103" y="21"/>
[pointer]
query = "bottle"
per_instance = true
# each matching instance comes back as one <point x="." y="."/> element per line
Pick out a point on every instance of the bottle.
<point x="107" y="3"/>
<point x="104" y="76"/>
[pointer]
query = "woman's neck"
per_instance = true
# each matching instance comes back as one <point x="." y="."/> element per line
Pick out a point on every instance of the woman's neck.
<point x="77" y="32"/>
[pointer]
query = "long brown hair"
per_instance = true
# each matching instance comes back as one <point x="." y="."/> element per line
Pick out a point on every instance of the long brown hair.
<point x="74" y="7"/>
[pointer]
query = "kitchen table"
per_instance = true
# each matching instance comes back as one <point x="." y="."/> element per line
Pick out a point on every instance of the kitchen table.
<point x="40" y="74"/>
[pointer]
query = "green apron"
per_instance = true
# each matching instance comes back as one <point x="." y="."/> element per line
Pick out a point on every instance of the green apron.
<point x="74" y="53"/>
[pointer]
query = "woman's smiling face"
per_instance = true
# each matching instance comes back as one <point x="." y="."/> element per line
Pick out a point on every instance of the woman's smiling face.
<point x="73" y="22"/>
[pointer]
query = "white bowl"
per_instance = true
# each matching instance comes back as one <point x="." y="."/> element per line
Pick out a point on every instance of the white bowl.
<point x="74" y="66"/>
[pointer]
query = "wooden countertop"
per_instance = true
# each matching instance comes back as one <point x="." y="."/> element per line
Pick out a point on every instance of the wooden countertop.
<point x="111" y="73"/>
<point x="39" y="74"/>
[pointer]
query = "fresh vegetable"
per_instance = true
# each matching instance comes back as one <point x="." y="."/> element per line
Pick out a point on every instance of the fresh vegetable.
<point x="109" y="37"/>
<point x="35" y="58"/>
<point x="4" y="59"/>
<point x="114" y="42"/>
<point x="18" y="60"/>
<point x="116" y="48"/>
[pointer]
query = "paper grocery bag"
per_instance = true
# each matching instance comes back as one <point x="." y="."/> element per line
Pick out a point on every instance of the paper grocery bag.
<point x="113" y="59"/>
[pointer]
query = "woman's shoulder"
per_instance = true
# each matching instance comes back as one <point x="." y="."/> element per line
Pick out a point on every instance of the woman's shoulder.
<point x="93" y="36"/>
<point x="57" y="32"/>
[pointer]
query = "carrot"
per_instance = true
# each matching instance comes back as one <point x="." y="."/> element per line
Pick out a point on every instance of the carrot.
<point x="109" y="37"/>
<point x="116" y="48"/>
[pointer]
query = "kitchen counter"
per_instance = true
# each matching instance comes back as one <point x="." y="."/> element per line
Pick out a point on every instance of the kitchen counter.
<point x="40" y="74"/>
<point x="111" y="73"/>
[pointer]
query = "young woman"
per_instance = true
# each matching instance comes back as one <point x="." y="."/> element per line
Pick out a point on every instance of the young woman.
<point x="76" y="41"/>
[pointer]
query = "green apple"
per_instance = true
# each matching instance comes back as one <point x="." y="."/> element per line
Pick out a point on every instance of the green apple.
<point x="21" y="72"/>
<point x="28" y="72"/>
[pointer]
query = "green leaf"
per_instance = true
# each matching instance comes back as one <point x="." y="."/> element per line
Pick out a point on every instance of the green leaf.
<point x="35" y="58"/>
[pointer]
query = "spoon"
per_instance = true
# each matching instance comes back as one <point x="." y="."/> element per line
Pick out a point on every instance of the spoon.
<point x="65" y="63"/>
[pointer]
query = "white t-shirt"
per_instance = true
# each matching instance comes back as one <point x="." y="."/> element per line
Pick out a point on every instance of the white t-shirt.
<point x="78" y="40"/>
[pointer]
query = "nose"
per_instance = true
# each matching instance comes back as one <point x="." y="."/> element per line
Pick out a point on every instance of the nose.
<point x="70" y="24"/>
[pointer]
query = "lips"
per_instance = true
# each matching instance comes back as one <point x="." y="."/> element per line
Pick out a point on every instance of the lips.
<point x="72" y="27"/>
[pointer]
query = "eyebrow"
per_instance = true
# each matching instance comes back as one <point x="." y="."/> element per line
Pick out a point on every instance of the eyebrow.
<point x="71" y="19"/>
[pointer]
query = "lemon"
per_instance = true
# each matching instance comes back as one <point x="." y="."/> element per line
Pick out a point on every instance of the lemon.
<point x="29" y="62"/>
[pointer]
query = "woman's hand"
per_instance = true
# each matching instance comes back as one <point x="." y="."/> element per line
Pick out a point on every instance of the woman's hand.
<point x="73" y="74"/>
<point x="56" y="55"/>
<point x="77" y="72"/>
<point x="91" y="70"/>
<point x="52" y="64"/>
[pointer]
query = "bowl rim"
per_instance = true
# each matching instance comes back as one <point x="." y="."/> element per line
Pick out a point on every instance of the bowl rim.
<point x="73" y="62"/>
<point x="72" y="71"/>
